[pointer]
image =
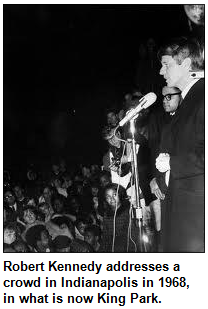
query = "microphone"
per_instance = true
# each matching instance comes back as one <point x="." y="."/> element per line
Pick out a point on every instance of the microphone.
<point x="144" y="103"/>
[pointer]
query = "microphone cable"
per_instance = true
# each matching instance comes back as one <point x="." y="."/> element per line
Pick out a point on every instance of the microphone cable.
<point x="114" y="218"/>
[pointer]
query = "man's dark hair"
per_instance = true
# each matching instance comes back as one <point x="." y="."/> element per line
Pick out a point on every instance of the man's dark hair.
<point x="182" y="48"/>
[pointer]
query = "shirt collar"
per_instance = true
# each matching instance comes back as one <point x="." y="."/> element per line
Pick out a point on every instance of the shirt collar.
<point x="14" y="206"/>
<point x="188" y="87"/>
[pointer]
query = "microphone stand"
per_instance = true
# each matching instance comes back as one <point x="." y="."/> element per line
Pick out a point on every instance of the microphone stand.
<point x="135" y="175"/>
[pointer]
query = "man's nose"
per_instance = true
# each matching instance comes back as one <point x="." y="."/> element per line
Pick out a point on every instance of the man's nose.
<point x="162" y="71"/>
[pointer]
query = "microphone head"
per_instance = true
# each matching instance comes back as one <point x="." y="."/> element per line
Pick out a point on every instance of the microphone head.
<point x="148" y="99"/>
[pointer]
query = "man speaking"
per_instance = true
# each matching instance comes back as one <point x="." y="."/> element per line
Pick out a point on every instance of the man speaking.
<point x="182" y="149"/>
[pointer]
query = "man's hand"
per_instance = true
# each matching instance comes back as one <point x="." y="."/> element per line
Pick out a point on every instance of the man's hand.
<point x="156" y="190"/>
<point x="113" y="167"/>
<point x="163" y="162"/>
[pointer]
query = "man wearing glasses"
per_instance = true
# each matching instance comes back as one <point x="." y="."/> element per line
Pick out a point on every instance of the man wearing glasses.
<point x="10" y="206"/>
<point x="171" y="99"/>
<point x="182" y="150"/>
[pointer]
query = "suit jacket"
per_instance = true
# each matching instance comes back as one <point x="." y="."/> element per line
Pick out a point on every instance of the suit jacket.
<point x="183" y="139"/>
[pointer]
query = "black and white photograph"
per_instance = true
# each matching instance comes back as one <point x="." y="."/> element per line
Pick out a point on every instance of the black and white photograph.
<point x="103" y="128"/>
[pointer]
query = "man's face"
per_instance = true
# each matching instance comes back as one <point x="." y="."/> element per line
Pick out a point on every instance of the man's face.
<point x="112" y="119"/>
<point x="58" y="205"/>
<point x="171" y="100"/>
<point x="171" y="71"/>
<point x="81" y="227"/>
<point x="46" y="193"/>
<point x="104" y="181"/>
<point x="89" y="237"/>
<point x="45" y="238"/>
<point x="9" y="236"/>
<point x="9" y="198"/>
<point x="18" y="192"/>
<point x="94" y="191"/>
<point x="29" y="216"/>
<point x="45" y="209"/>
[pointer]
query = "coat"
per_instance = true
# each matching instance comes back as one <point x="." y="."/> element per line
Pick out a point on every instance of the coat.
<point x="183" y="207"/>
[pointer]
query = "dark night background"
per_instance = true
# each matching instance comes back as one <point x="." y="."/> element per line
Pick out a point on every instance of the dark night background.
<point x="63" y="58"/>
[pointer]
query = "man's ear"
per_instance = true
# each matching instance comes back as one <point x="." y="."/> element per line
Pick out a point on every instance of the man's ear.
<point x="187" y="63"/>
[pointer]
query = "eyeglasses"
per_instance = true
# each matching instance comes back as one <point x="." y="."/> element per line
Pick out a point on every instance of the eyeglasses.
<point x="8" y="196"/>
<point x="168" y="96"/>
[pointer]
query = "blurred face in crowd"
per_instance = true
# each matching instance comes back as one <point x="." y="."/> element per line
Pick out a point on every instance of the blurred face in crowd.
<point x="57" y="183"/>
<point x="171" y="98"/>
<point x="112" y="119"/>
<point x="44" y="208"/>
<point x="47" y="194"/>
<point x="9" y="198"/>
<point x="18" y="192"/>
<point x="114" y="140"/>
<point x="21" y="247"/>
<point x="74" y="204"/>
<point x="29" y="216"/>
<point x="90" y="238"/>
<point x="45" y="238"/>
<point x="173" y="72"/>
<point x="112" y="199"/>
<point x="9" y="236"/>
<point x="55" y="169"/>
<point x="94" y="191"/>
<point x="81" y="226"/>
<point x="86" y="172"/>
<point x="58" y="205"/>
<point x="67" y="182"/>
<point x="104" y="181"/>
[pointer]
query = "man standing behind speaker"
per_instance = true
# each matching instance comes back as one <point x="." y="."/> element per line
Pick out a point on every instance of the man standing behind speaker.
<point x="182" y="151"/>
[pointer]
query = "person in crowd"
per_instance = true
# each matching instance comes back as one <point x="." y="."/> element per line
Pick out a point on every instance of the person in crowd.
<point x="46" y="197"/>
<point x="21" y="199"/>
<point x="10" y="234"/>
<point x="62" y="244"/>
<point x="75" y="207"/>
<point x="58" y="204"/>
<point x="182" y="150"/>
<point x="92" y="236"/>
<point x="47" y="212"/>
<point x="61" y="225"/>
<point x="28" y="218"/>
<point x="39" y="239"/>
<point x="112" y="117"/>
<point x="21" y="246"/>
<point x="80" y="246"/>
<point x="57" y="184"/>
<point x="171" y="101"/>
<point x="94" y="171"/>
<point x="104" y="180"/>
<point x="80" y="226"/>
<point x="67" y="184"/>
<point x="10" y="205"/>
<point x="116" y="159"/>
<point x="119" y="229"/>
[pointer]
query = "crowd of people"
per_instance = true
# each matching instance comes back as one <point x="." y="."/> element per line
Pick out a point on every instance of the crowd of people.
<point x="95" y="209"/>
